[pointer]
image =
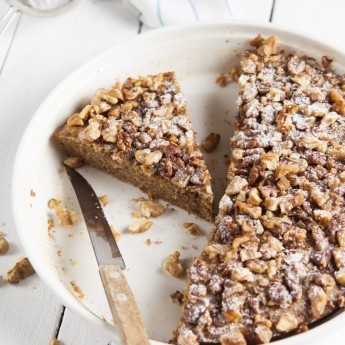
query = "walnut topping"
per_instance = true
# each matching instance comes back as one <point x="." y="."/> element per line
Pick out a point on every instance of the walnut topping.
<point x="253" y="211"/>
<point x="140" y="226"/>
<point x="236" y="185"/>
<point x="233" y="337"/>
<point x="323" y="216"/>
<point x="174" y="266"/>
<point x="270" y="159"/>
<point x="241" y="274"/>
<point x="318" y="300"/>
<point x="340" y="276"/>
<point x="211" y="142"/>
<point x="253" y="197"/>
<point x="287" y="323"/>
<point x="285" y="169"/>
<point x="19" y="271"/>
<point x="268" y="47"/>
<point x="75" y="120"/>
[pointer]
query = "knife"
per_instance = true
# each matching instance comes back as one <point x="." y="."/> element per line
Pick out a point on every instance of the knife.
<point x="122" y="304"/>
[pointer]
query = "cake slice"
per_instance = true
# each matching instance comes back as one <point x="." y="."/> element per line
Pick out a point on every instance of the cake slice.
<point x="275" y="261"/>
<point x="141" y="132"/>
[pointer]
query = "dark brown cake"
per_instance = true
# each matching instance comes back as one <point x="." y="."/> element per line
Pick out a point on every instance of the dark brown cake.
<point x="275" y="262"/>
<point x="141" y="133"/>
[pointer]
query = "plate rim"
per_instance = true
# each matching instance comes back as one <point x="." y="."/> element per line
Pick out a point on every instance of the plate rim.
<point x="240" y="26"/>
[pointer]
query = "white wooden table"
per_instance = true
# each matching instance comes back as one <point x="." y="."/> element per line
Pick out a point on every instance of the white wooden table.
<point x="42" y="53"/>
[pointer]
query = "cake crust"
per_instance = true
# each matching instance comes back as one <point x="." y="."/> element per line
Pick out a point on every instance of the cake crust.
<point x="275" y="261"/>
<point x="140" y="132"/>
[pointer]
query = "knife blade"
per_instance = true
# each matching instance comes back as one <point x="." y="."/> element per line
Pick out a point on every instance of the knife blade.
<point x="125" y="312"/>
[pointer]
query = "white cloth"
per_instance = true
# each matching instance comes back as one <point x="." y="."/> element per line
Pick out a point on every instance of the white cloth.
<point x="157" y="13"/>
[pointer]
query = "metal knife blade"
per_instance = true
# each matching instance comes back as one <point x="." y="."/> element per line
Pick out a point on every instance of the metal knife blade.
<point x="103" y="242"/>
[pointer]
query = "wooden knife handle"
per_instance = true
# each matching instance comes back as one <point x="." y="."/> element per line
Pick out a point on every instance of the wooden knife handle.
<point x="123" y="306"/>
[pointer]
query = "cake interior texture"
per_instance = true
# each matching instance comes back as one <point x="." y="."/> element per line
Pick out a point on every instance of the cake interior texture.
<point x="275" y="261"/>
<point x="141" y="132"/>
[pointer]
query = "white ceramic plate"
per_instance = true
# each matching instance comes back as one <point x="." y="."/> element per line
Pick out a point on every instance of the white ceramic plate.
<point x="198" y="53"/>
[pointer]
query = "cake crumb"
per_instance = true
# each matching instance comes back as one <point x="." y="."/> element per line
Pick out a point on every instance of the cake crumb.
<point x="211" y="142"/>
<point x="174" y="266"/>
<point x="222" y="80"/>
<point x="148" y="242"/>
<point x="150" y="208"/>
<point x="74" y="162"/>
<point x="52" y="203"/>
<point x="192" y="229"/>
<point x="21" y="270"/>
<point x="50" y="227"/>
<point x="77" y="289"/>
<point x="4" y="246"/>
<point x="176" y="297"/>
<point x="32" y="193"/>
<point x="115" y="233"/>
<point x="55" y="341"/>
<point x="139" y="226"/>
<point x="103" y="200"/>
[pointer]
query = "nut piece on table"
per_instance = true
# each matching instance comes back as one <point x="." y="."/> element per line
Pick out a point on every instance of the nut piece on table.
<point x="287" y="323"/>
<point x="74" y="162"/>
<point x="139" y="226"/>
<point x="233" y="337"/>
<point x="174" y="266"/>
<point x="4" y="246"/>
<point x="211" y="142"/>
<point x="192" y="229"/>
<point x="20" y="270"/>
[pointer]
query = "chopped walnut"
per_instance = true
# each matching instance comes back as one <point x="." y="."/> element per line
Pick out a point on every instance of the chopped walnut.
<point x="254" y="197"/>
<point x="52" y="203"/>
<point x="323" y="216"/>
<point x="241" y="274"/>
<point x="340" y="276"/>
<point x="74" y="162"/>
<point x="192" y="229"/>
<point x="150" y="208"/>
<point x="174" y="266"/>
<point x="67" y="218"/>
<point x="236" y="185"/>
<point x="268" y="47"/>
<point x="318" y="300"/>
<point x="222" y="80"/>
<point x="115" y="233"/>
<point x="233" y="337"/>
<point x="211" y="142"/>
<point x="253" y="211"/>
<point x="103" y="200"/>
<point x="75" y="120"/>
<point x="287" y="323"/>
<point x="21" y="270"/>
<point x="177" y="297"/>
<point x="4" y="246"/>
<point x="140" y="226"/>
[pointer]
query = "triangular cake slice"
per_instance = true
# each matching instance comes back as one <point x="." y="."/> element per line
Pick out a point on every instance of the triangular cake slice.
<point x="275" y="262"/>
<point x="141" y="133"/>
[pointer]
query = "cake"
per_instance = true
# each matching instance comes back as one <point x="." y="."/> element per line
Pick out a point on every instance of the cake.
<point x="141" y="133"/>
<point x="275" y="262"/>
